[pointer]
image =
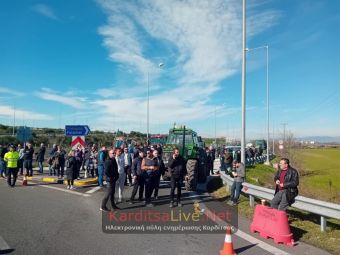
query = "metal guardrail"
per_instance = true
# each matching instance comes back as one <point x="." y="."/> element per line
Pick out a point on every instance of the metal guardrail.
<point x="324" y="209"/>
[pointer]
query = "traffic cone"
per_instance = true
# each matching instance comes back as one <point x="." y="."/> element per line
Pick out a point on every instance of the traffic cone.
<point x="228" y="248"/>
<point x="24" y="183"/>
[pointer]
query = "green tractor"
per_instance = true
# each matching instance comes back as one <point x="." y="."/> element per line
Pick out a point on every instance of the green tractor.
<point x="186" y="140"/>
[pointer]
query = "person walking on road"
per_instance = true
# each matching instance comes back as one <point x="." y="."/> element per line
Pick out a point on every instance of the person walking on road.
<point x="149" y="166"/>
<point x="112" y="175"/>
<point x="177" y="167"/>
<point x="122" y="175"/>
<point x="71" y="169"/>
<point x="12" y="158"/>
<point x="138" y="179"/>
<point x="287" y="181"/>
<point x="238" y="172"/>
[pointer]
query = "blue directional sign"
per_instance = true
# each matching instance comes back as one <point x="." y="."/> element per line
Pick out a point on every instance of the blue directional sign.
<point x="77" y="130"/>
<point x="24" y="134"/>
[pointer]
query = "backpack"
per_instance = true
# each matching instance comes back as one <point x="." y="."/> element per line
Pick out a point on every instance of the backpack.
<point x="68" y="163"/>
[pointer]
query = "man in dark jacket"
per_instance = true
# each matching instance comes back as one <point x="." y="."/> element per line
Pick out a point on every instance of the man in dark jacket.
<point x="178" y="171"/>
<point x="111" y="172"/>
<point x="287" y="180"/>
<point x="159" y="172"/>
<point x="137" y="175"/>
<point x="28" y="158"/>
<point x="41" y="157"/>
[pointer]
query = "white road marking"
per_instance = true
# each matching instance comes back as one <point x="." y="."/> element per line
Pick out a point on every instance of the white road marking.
<point x="93" y="190"/>
<point x="245" y="236"/>
<point x="3" y="245"/>
<point x="65" y="190"/>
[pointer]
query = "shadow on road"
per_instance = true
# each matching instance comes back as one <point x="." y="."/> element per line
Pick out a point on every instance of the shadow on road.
<point x="6" y="251"/>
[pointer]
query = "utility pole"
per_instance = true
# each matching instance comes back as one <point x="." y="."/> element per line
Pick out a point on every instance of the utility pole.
<point x="14" y="121"/>
<point x="243" y="116"/>
<point x="273" y="141"/>
<point x="284" y="131"/>
<point x="215" y="127"/>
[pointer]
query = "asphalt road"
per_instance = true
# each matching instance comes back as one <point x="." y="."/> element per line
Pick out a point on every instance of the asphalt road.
<point x="49" y="219"/>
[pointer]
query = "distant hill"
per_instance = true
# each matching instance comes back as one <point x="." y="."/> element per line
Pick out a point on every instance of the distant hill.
<point x="321" y="139"/>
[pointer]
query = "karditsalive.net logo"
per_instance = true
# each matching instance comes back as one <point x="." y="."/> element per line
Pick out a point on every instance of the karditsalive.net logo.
<point x="176" y="220"/>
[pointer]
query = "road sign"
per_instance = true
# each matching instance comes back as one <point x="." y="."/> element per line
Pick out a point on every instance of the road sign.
<point x="77" y="130"/>
<point x="24" y="134"/>
<point x="281" y="147"/>
<point x="280" y="142"/>
<point x="78" y="141"/>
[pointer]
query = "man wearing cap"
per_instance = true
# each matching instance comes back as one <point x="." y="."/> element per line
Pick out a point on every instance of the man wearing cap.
<point x="12" y="158"/>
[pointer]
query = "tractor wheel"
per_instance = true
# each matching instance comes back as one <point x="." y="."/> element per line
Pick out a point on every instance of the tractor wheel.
<point x="192" y="171"/>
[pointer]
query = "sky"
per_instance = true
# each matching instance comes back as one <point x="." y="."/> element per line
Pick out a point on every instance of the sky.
<point x="91" y="62"/>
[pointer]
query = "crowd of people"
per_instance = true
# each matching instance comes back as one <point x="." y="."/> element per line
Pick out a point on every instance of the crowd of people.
<point x="138" y="166"/>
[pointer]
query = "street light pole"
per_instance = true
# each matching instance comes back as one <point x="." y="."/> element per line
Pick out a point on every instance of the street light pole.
<point x="267" y="162"/>
<point x="147" y="110"/>
<point x="215" y="127"/>
<point x="243" y="122"/>
<point x="267" y="90"/>
<point x="160" y="65"/>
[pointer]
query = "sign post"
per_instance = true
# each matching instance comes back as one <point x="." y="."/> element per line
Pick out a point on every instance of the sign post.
<point x="77" y="130"/>
<point x="78" y="133"/>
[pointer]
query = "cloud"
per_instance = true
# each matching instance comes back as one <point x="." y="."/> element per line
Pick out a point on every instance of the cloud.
<point x="8" y="111"/>
<point x="45" y="10"/>
<point x="66" y="99"/>
<point x="10" y="92"/>
<point x="199" y="40"/>
<point x="206" y="34"/>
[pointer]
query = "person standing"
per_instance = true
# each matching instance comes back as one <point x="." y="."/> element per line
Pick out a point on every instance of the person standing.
<point x="127" y="166"/>
<point x="28" y="158"/>
<point x="177" y="167"/>
<point x="102" y="155"/>
<point x="122" y="175"/>
<point x="238" y="172"/>
<point x="71" y="169"/>
<point x="59" y="161"/>
<point x="50" y="160"/>
<point x="227" y="160"/>
<point x="41" y="158"/>
<point x="287" y="181"/>
<point x="149" y="166"/>
<point x="79" y="159"/>
<point x="158" y="173"/>
<point x="20" y="150"/>
<point x="112" y="175"/>
<point x="3" y="167"/>
<point x="137" y="175"/>
<point x="209" y="162"/>
<point x="12" y="158"/>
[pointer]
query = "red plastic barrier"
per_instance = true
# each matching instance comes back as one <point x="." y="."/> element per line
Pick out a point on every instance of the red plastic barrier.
<point x="272" y="223"/>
